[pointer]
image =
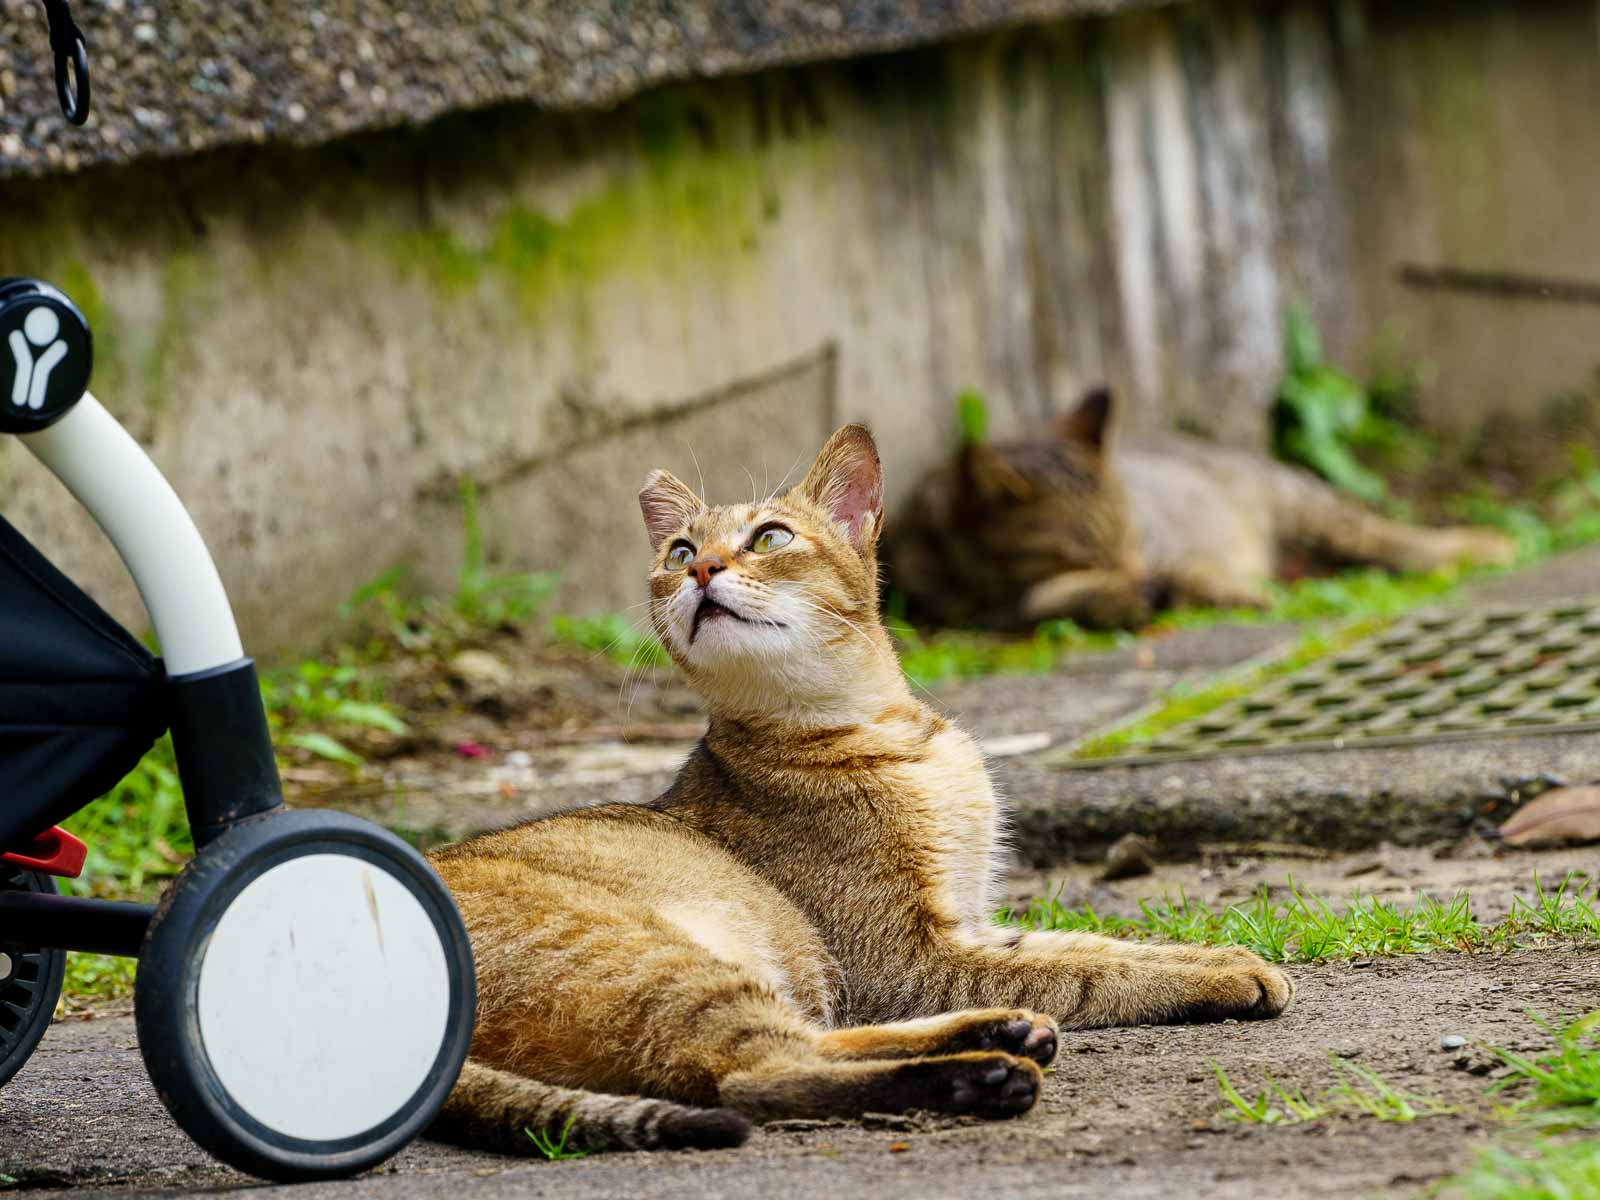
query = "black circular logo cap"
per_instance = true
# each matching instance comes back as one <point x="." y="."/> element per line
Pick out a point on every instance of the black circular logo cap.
<point x="46" y="355"/>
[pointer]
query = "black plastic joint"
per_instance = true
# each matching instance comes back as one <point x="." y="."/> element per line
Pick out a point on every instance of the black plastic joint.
<point x="223" y="747"/>
<point x="46" y="355"/>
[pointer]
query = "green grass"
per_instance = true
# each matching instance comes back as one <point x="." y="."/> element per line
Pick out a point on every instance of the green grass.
<point x="1556" y="1091"/>
<point x="1545" y="1170"/>
<point x="1359" y="1091"/>
<point x="555" y="1149"/>
<point x="1364" y="1092"/>
<point x="1305" y="928"/>
<point x="1273" y="1105"/>
<point x="1562" y="1086"/>
<point x="611" y="635"/>
<point x="1362" y="597"/>
<point x="390" y="617"/>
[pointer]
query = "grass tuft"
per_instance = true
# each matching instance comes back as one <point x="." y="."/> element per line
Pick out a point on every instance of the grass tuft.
<point x="1359" y="1092"/>
<point x="1276" y="1104"/>
<point x="1543" y="1171"/>
<point x="556" y="1149"/>
<point x="1563" y="1085"/>
<point x="1304" y="928"/>
<point x="1365" y="1092"/>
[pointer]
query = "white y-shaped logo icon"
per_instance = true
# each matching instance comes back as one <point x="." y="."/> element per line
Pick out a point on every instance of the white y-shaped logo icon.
<point x="41" y="327"/>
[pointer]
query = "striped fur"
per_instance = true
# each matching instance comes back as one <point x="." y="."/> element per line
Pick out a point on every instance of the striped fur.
<point x="498" y="1110"/>
<point x="800" y="926"/>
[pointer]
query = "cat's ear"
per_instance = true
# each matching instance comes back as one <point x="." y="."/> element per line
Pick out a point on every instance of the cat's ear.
<point x="666" y="503"/>
<point x="986" y="473"/>
<point x="847" y="481"/>
<point x="1088" y="423"/>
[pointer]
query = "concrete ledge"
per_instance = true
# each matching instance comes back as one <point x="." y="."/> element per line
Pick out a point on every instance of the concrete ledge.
<point x="1340" y="800"/>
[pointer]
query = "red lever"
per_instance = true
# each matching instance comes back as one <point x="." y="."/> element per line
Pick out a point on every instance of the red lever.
<point x="53" y="852"/>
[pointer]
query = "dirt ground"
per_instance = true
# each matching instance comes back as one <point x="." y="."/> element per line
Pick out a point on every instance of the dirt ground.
<point x="1127" y="1112"/>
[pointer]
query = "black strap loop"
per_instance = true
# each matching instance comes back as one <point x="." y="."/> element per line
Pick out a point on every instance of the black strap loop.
<point x="72" y="61"/>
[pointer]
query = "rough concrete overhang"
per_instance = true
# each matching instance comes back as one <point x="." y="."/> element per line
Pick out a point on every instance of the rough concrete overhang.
<point x="189" y="75"/>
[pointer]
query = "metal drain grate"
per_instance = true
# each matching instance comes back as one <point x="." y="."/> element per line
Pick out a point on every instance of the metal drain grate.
<point x="1431" y="676"/>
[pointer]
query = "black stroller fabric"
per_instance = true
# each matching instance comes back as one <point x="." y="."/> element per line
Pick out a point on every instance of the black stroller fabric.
<point x="80" y="699"/>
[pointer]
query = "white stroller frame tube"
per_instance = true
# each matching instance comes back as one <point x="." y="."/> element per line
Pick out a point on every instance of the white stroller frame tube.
<point x="111" y="476"/>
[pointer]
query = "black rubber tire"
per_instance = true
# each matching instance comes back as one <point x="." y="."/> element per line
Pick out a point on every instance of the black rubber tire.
<point x="30" y="987"/>
<point x="165" y="995"/>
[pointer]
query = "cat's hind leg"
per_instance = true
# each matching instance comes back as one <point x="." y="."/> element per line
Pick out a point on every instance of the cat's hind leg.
<point x="1311" y="515"/>
<point x="499" y="1110"/>
<point x="601" y="992"/>
<point x="1017" y="1031"/>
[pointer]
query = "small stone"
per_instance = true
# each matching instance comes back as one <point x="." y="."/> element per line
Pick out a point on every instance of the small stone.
<point x="893" y="1121"/>
<point x="1129" y="856"/>
<point x="1360" y="964"/>
<point x="1452" y="1041"/>
<point x="1345" y="1050"/>
<point x="479" y="674"/>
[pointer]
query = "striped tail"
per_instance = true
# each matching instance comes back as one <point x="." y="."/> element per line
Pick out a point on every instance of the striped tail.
<point x="497" y="1110"/>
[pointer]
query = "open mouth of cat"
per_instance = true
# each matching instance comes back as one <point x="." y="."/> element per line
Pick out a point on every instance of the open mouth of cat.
<point x="710" y="610"/>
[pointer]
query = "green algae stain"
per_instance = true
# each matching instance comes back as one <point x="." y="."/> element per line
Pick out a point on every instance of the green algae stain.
<point x="76" y="281"/>
<point x="185" y="294"/>
<point x="1457" y="134"/>
<point x="680" y="208"/>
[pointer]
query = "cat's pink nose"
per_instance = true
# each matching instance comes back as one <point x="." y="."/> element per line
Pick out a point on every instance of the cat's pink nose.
<point x="704" y="567"/>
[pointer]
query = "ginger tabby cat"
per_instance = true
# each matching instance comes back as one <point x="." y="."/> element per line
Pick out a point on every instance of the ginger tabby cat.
<point x="801" y="925"/>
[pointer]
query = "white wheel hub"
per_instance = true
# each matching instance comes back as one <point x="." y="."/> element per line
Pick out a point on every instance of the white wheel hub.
<point x="323" y="997"/>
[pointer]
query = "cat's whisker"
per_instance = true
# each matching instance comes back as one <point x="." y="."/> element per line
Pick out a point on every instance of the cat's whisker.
<point x="695" y="458"/>
<point x="773" y="495"/>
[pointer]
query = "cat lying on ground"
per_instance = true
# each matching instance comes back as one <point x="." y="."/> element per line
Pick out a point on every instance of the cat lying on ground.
<point x="1103" y="531"/>
<point x="801" y="925"/>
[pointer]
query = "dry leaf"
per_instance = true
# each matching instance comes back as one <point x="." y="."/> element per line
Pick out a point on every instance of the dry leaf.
<point x="1570" y="814"/>
<point x="899" y="1147"/>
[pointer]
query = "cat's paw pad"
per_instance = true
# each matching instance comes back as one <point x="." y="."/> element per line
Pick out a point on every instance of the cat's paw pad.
<point x="1021" y="1032"/>
<point x="985" y="1085"/>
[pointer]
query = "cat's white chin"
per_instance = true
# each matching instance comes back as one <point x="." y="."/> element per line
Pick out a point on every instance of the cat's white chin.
<point x="722" y="639"/>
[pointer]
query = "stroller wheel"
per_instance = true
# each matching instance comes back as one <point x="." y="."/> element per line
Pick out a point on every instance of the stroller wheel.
<point x="30" y="982"/>
<point x="305" y="996"/>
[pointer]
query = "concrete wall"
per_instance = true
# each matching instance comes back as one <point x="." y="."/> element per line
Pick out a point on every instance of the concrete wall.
<point x="318" y="345"/>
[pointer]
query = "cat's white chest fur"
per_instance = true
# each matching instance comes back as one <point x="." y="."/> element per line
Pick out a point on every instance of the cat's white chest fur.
<point x="966" y="821"/>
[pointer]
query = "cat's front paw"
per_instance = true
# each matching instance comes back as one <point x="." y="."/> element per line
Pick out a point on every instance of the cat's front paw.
<point x="1236" y="983"/>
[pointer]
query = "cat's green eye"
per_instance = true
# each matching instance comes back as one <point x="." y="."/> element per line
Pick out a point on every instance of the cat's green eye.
<point x="680" y="556"/>
<point x="773" y="537"/>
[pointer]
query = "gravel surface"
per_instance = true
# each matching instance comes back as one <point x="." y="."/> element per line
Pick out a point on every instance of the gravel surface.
<point x="186" y="76"/>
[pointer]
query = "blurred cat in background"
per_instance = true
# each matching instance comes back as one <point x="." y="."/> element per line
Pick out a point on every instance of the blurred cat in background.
<point x="1103" y="530"/>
